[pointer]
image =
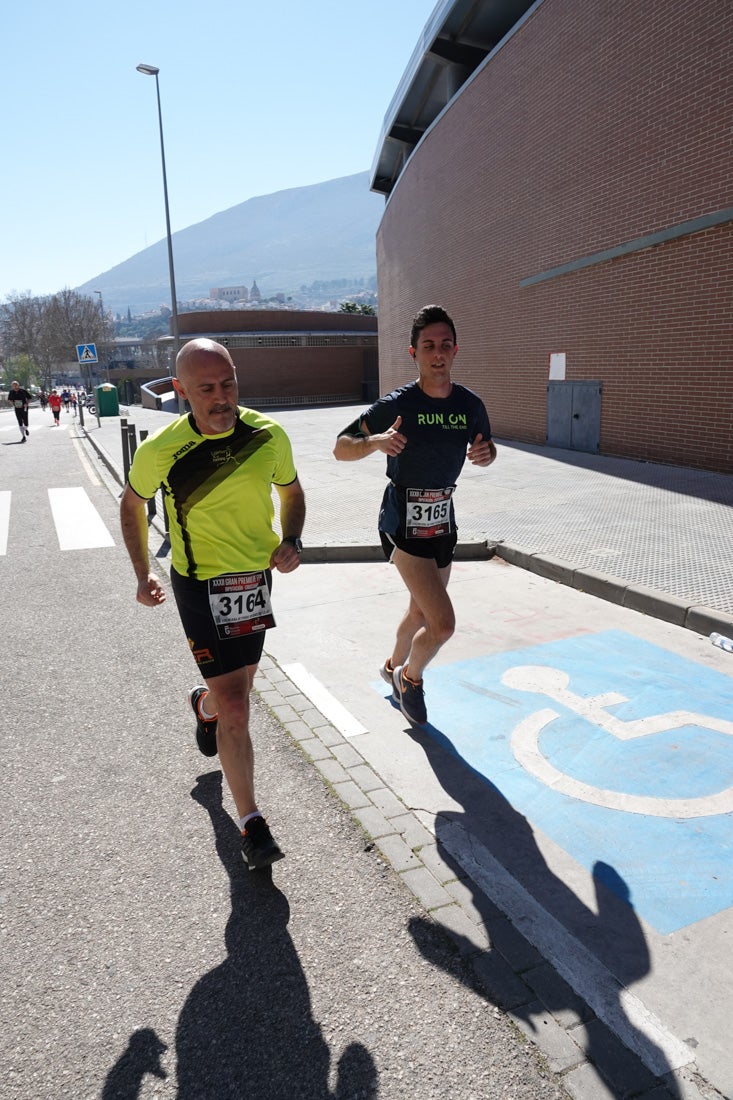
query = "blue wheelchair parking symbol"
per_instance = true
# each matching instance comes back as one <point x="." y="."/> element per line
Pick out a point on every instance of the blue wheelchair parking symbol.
<point x="618" y="750"/>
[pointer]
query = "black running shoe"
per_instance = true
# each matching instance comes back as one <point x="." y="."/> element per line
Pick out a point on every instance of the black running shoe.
<point x="205" y="731"/>
<point x="410" y="697"/>
<point x="259" y="848"/>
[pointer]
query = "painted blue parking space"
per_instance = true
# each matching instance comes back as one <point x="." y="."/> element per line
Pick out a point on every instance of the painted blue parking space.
<point x="620" y="751"/>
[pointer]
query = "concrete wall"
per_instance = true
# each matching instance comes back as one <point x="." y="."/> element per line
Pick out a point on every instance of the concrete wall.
<point x="595" y="125"/>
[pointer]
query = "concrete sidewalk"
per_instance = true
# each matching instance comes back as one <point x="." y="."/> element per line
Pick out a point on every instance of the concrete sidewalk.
<point x="654" y="538"/>
<point x="579" y="853"/>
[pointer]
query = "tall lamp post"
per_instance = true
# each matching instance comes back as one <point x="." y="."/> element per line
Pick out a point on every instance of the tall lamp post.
<point x="151" y="70"/>
<point x="101" y="318"/>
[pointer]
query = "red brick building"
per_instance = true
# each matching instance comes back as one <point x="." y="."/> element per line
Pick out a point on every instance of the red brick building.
<point x="560" y="178"/>
<point x="286" y="357"/>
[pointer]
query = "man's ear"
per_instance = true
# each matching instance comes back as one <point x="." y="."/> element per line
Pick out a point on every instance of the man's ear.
<point x="412" y="352"/>
<point x="178" y="388"/>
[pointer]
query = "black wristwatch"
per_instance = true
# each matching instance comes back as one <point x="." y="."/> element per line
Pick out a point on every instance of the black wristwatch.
<point x="294" y="541"/>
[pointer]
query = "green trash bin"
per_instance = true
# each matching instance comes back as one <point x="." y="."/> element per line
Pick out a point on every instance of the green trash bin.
<point x="107" y="400"/>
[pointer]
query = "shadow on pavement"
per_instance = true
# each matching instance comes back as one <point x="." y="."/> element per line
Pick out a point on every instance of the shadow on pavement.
<point x="142" y="1056"/>
<point x="246" y="1028"/>
<point x="612" y="933"/>
<point x="704" y="484"/>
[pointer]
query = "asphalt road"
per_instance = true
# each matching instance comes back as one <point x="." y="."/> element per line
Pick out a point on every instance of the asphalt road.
<point x="140" y="958"/>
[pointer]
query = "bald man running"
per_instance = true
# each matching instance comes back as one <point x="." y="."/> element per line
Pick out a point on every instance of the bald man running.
<point x="217" y="466"/>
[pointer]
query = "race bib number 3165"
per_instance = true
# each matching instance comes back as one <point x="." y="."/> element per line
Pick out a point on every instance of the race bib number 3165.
<point x="428" y="512"/>
<point x="240" y="604"/>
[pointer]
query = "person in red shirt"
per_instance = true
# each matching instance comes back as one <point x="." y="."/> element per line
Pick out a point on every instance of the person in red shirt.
<point x="54" y="401"/>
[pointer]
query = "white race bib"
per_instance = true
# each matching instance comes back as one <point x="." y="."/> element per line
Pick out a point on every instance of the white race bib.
<point x="240" y="604"/>
<point x="428" y="512"/>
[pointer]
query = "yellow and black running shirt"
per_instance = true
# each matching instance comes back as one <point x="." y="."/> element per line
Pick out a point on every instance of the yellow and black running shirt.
<point x="218" y="491"/>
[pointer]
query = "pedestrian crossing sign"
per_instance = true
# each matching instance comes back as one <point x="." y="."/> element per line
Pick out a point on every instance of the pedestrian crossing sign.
<point x="86" y="353"/>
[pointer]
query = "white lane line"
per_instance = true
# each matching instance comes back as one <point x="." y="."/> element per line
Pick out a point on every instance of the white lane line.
<point x="79" y="525"/>
<point x="4" y="520"/>
<point x="322" y="700"/>
<point x="85" y="461"/>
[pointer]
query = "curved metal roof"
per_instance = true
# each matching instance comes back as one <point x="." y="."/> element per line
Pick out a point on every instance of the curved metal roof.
<point x="456" y="40"/>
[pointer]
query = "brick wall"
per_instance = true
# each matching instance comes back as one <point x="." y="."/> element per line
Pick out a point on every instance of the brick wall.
<point x="297" y="370"/>
<point x="595" y="124"/>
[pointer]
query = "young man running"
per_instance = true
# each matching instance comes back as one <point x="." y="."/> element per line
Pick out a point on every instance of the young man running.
<point x="20" y="399"/>
<point x="218" y="465"/>
<point x="427" y="429"/>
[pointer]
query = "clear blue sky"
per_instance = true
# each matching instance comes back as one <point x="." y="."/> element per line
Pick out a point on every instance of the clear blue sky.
<point x="256" y="98"/>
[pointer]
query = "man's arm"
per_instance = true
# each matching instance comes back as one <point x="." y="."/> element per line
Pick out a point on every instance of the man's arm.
<point x="351" y="446"/>
<point x="285" y="558"/>
<point x="134" y="523"/>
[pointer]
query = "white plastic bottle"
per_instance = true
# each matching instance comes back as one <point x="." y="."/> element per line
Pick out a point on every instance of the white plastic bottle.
<point x="722" y="642"/>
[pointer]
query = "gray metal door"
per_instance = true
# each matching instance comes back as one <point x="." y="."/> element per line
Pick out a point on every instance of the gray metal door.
<point x="574" y="415"/>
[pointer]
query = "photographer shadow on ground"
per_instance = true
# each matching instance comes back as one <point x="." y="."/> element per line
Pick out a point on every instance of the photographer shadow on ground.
<point x="142" y="1056"/>
<point x="246" y="1028"/>
<point x="492" y="844"/>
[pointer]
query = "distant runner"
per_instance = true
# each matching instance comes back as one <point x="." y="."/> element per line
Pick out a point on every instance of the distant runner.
<point x="19" y="399"/>
<point x="54" y="403"/>
<point x="426" y="429"/>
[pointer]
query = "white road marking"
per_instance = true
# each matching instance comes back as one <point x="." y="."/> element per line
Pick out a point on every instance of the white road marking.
<point x="625" y="1014"/>
<point x="79" y="525"/>
<point x="85" y="461"/>
<point x="525" y="741"/>
<point x="4" y="520"/>
<point x="322" y="700"/>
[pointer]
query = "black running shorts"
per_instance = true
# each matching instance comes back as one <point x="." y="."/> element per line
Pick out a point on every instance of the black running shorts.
<point x="440" y="549"/>
<point x="213" y="655"/>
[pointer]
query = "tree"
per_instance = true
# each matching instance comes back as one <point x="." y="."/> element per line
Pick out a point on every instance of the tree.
<point x="354" y="307"/>
<point x="48" y="329"/>
<point x="18" y="368"/>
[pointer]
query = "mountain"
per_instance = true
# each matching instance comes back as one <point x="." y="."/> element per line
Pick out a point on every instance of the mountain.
<point x="283" y="241"/>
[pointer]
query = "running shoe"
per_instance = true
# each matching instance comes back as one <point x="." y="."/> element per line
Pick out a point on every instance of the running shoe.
<point x="259" y="848"/>
<point x="410" y="697"/>
<point x="205" y="731"/>
<point x="386" y="673"/>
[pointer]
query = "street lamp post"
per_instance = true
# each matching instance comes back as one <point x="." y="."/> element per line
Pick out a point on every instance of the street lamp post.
<point x="101" y="318"/>
<point x="151" y="70"/>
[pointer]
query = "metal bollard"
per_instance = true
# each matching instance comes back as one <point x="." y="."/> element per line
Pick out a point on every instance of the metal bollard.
<point x="125" y="448"/>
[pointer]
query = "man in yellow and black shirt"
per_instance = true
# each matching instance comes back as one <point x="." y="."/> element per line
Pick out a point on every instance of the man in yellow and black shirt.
<point x="217" y="466"/>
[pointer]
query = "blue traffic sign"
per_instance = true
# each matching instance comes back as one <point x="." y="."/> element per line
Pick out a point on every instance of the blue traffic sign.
<point x="86" y="353"/>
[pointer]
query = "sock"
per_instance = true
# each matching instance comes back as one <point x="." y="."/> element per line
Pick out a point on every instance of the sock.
<point x="204" y="713"/>
<point x="248" y="817"/>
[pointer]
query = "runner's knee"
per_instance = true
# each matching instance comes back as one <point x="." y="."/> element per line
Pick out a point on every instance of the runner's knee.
<point x="443" y="627"/>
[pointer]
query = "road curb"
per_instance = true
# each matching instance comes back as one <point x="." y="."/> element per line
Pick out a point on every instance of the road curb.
<point x="650" y="601"/>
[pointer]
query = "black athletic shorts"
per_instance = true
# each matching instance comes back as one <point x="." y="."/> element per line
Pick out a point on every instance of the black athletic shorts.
<point x="441" y="548"/>
<point x="213" y="655"/>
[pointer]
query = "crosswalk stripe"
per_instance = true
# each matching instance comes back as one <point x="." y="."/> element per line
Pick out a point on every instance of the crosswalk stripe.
<point x="79" y="525"/>
<point x="4" y="520"/>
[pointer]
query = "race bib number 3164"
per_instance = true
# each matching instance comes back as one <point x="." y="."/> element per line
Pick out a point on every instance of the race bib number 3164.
<point x="240" y="604"/>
